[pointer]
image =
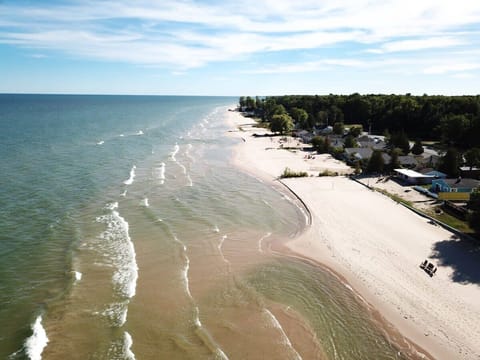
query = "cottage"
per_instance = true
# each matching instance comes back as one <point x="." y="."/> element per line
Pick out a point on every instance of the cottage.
<point x="305" y="135"/>
<point x="356" y="154"/>
<point x="413" y="177"/>
<point x="407" y="161"/>
<point x="470" y="172"/>
<point x="375" y="142"/>
<point x="326" y="130"/>
<point x="455" y="185"/>
<point x="435" y="173"/>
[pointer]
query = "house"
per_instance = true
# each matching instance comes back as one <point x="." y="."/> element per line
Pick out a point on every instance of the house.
<point x="336" y="141"/>
<point x="435" y="173"/>
<point x="305" y="135"/>
<point x="455" y="185"/>
<point x="356" y="154"/>
<point x="413" y="177"/>
<point x="327" y="130"/>
<point x="408" y="161"/>
<point x="374" y="142"/>
<point x="470" y="172"/>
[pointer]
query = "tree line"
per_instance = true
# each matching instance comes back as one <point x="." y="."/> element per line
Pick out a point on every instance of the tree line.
<point x="453" y="120"/>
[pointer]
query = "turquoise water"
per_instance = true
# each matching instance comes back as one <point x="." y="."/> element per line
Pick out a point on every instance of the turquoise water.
<point x="126" y="233"/>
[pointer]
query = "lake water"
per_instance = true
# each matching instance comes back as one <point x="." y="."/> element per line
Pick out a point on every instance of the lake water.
<point x="127" y="233"/>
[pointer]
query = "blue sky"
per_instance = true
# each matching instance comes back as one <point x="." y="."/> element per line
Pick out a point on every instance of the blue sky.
<point x="242" y="47"/>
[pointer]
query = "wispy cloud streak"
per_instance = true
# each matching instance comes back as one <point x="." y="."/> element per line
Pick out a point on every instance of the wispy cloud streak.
<point x="186" y="34"/>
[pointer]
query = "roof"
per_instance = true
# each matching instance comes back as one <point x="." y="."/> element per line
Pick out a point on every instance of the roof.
<point x="364" y="153"/>
<point x="407" y="160"/>
<point x="436" y="173"/>
<point x="463" y="183"/>
<point x="411" y="174"/>
<point x="467" y="168"/>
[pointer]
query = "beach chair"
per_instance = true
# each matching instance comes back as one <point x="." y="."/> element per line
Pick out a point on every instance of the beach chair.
<point x="423" y="264"/>
<point x="431" y="269"/>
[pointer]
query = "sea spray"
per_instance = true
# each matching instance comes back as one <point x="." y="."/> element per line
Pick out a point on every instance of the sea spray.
<point x="116" y="313"/>
<point x="35" y="344"/>
<point x="127" y="347"/>
<point x="119" y="252"/>
<point x="129" y="181"/>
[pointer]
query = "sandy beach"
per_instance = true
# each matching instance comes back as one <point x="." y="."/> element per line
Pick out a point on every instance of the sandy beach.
<point x="376" y="246"/>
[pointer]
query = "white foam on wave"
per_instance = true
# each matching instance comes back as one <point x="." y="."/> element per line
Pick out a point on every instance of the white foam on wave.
<point x="220" y="354"/>
<point x="285" y="340"/>
<point x="117" y="313"/>
<point x="175" y="151"/>
<point x="101" y="142"/>
<point x="186" y="267"/>
<point x="139" y="132"/>
<point x="260" y="241"/>
<point x="160" y="171"/>
<point x="120" y="250"/>
<point x="112" y="206"/>
<point x="145" y="202"/>
<point x="222" y="240"/>
<point x="127" y="347"/>
<point x="219" y="246"/>
<point x="78" y="275"/>
<point x="190" y="182"/>
<point x="187" y="152"/>
<point x="35" y="344"/>
<point x="121" y="135"/>
<point x="184" y="169"/>
<point x="132" y="176"/>
<point x="124" y="194"/>
<point x="216" y="229"/>
<point x="196" y="320"/>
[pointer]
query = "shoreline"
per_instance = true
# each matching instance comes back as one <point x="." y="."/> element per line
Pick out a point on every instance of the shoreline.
<point x="382" y="274"/>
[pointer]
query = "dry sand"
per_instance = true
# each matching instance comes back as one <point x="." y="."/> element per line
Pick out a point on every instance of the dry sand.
<point x="377" y="246"/>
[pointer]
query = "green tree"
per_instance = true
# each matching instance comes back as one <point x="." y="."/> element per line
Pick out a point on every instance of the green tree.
<point x="472" y="157"/>
<point x="241" y="101"/>
<point x="338" y="128"/>
<point x="355" y="131"/>
<point x="399" y="140"/>
<point x="300" y="117"/>
<point x="376" y="162"/>
<point x="417" y="148"/>
<point x="321" y="144"/>
<point x="454" y="128"/>
<point x="250" y="103"/>
<point x="282" y="123"/>
<point x="474" y="207"/>
<point x="350" y="142"/>
<point x="394" y="161"/>
<point x="450" y="162"/>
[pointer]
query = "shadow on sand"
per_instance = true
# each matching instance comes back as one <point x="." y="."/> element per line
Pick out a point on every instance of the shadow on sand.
<point x="462" y="255"/>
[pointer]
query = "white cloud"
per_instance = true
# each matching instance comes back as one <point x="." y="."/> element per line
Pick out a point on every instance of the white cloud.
<point x="186" y="34"/>
<point x="419" y="44"/>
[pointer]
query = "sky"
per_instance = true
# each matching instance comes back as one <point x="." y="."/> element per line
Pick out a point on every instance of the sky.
<point x="241" y="47"/>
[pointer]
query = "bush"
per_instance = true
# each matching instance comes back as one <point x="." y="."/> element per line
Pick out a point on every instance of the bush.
<point x="328" y="173"/>
<point x="287" y="173"/>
